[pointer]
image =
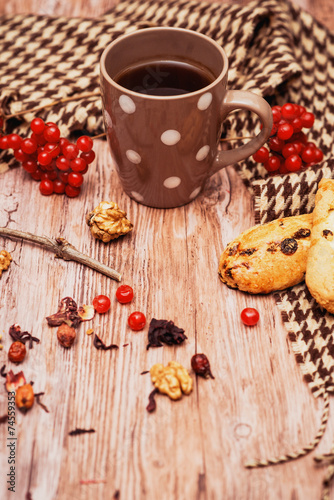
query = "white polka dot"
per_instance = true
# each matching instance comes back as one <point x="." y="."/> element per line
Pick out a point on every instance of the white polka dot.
<point x="170" y="137"/>
<point x="133" y="156"/>
<point x="127" y="104"/>
<point x="204" y="101"/>
<point x="172" y="182"/>
<point x="202" y="153"/>
<point x="108" y="119"/>
<point x="194" y="193"/>
<point x="137" y="196"/>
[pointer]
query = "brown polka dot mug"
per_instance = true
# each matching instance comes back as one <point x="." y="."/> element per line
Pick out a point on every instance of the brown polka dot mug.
<point x="164" y="102"/>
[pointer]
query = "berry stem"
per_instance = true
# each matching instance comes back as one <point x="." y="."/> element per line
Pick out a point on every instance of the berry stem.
<point x="53" y="103"/>
<point x="99" y="136"/>
<point x="63" y="250"/>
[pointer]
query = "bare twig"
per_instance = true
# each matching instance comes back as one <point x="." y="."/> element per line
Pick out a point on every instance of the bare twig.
<point x="76" y="97"/>
<point x="63" y="249"/>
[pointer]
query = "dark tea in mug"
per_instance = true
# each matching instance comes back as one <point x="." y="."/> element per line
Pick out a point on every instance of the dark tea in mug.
<point x="164" y="77"/>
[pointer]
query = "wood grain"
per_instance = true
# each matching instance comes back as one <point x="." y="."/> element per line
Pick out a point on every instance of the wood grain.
<point x="258" y="404"/>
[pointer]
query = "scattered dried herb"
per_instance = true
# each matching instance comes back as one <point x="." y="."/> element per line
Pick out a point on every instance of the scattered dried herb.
<point x="161" y="330"/>
<point x="201" y="366"/>
<point x="117" y="495"/>
<point x="99" y="344"/>
<point x="2" y="371"/>
<point x="124" y="345"/>
<point x="151" y="401"/>
<point x="39" y="402"/>
<point x="28" y="496"/>
<point x="144" y="372"/>
<point x="3" y="419"/>
<point x="19" y="336"/>
<point x="78" y="431"/>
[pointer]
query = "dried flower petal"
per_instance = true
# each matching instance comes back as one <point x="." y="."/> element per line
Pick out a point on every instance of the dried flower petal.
<point x="107" y="221"/>
<point x="161" y="330"/>
<point x="67" y="313"/>
<point x="151" y="401"/>
<point x="77" y="431"/>
<point x="86" y="313"/>
<point x="13" y="382"/>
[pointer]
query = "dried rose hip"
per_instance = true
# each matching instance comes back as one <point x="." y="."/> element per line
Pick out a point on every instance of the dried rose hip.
<point x="201" y="366"/>
<point x="24" y="397"/>
<point x="17" y="352"/>
<point x="66" y="335"/>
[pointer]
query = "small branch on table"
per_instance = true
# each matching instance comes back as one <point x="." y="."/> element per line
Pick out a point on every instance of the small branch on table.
<point x="63" y="250"/>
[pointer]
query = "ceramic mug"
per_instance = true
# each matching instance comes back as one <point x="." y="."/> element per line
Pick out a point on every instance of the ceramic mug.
<point x="166" y="146"/>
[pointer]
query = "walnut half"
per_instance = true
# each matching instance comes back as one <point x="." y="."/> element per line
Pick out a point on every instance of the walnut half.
<point x="107" y="221"/>
<point x="5" y="260"/>
<point x="172" y="379"/>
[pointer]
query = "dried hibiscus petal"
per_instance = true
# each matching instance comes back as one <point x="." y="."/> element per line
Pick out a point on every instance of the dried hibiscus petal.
<point x="19" y="336"/>
<point x="161" y="330"/>
<point x="151" y="401"/>
<point x="99" y="344"/>
<point x="70" y="314"/>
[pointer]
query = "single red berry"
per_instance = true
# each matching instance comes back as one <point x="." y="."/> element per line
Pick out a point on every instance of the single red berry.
<point x="249" y="316"/>
<point x="274" y="129"/>
<point x="46" y="187"/>
<point x="62" y="142"/>
<point x="288" y="150"/>
<point x="4" y="142"/>
<point x="299" y="136"/>
<point x="293" y="163"/>
<point x="29" y="145"/>
<point x="75" y="179"/>
<point x="71" y="191"/>
<point x="85" y="143"/>
<point x="63" y="176"/>
<point x="62" y="163"/>
<point x="124" y="294"/>
<point x="297" y="145"/>
<point x="37" y="125"/>
<point x="51" y="124"/>
<point x="275" y="143"/>
<point x="137" y="321"/>
<point x="70" y="151"/>
<point x="14" y="141"/>
<point x="319" y="155"/>
<point x="276" y="115"/>
<point x="78" y="165"/>
<point x="101" y="304"/>
<point x="44" y="158"/>
<point x="30" y="166"/>
<point x="289" y="111"/>
<point x="51" y="133"/>
<point x="52" y="148"/>
<point x="20" y="156"/>
<point x="37" y="175"/>
<point x="297" y="124"/>
<point x="309" y="154"/>
<point x="58" y="186"/>
<point x="261" y="155"/>
<point x="88" y="157"/>
<point x="307" y="119"/>
<point x="285" y="131"/>
<point x="272" y="164"/>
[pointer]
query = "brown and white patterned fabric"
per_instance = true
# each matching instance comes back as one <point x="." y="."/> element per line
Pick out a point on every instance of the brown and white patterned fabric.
<point x="275" y="49"/>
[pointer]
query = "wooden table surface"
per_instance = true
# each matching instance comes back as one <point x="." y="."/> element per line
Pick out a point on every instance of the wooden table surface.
<point x="258" y="405"/>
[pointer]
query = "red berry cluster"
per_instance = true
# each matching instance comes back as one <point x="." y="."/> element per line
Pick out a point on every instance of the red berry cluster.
<point x="289" y="150"/>
<point x="56" y="162"/>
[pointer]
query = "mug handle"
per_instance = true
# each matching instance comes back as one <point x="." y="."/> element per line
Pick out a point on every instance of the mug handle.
<point x="243" y="99"/>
